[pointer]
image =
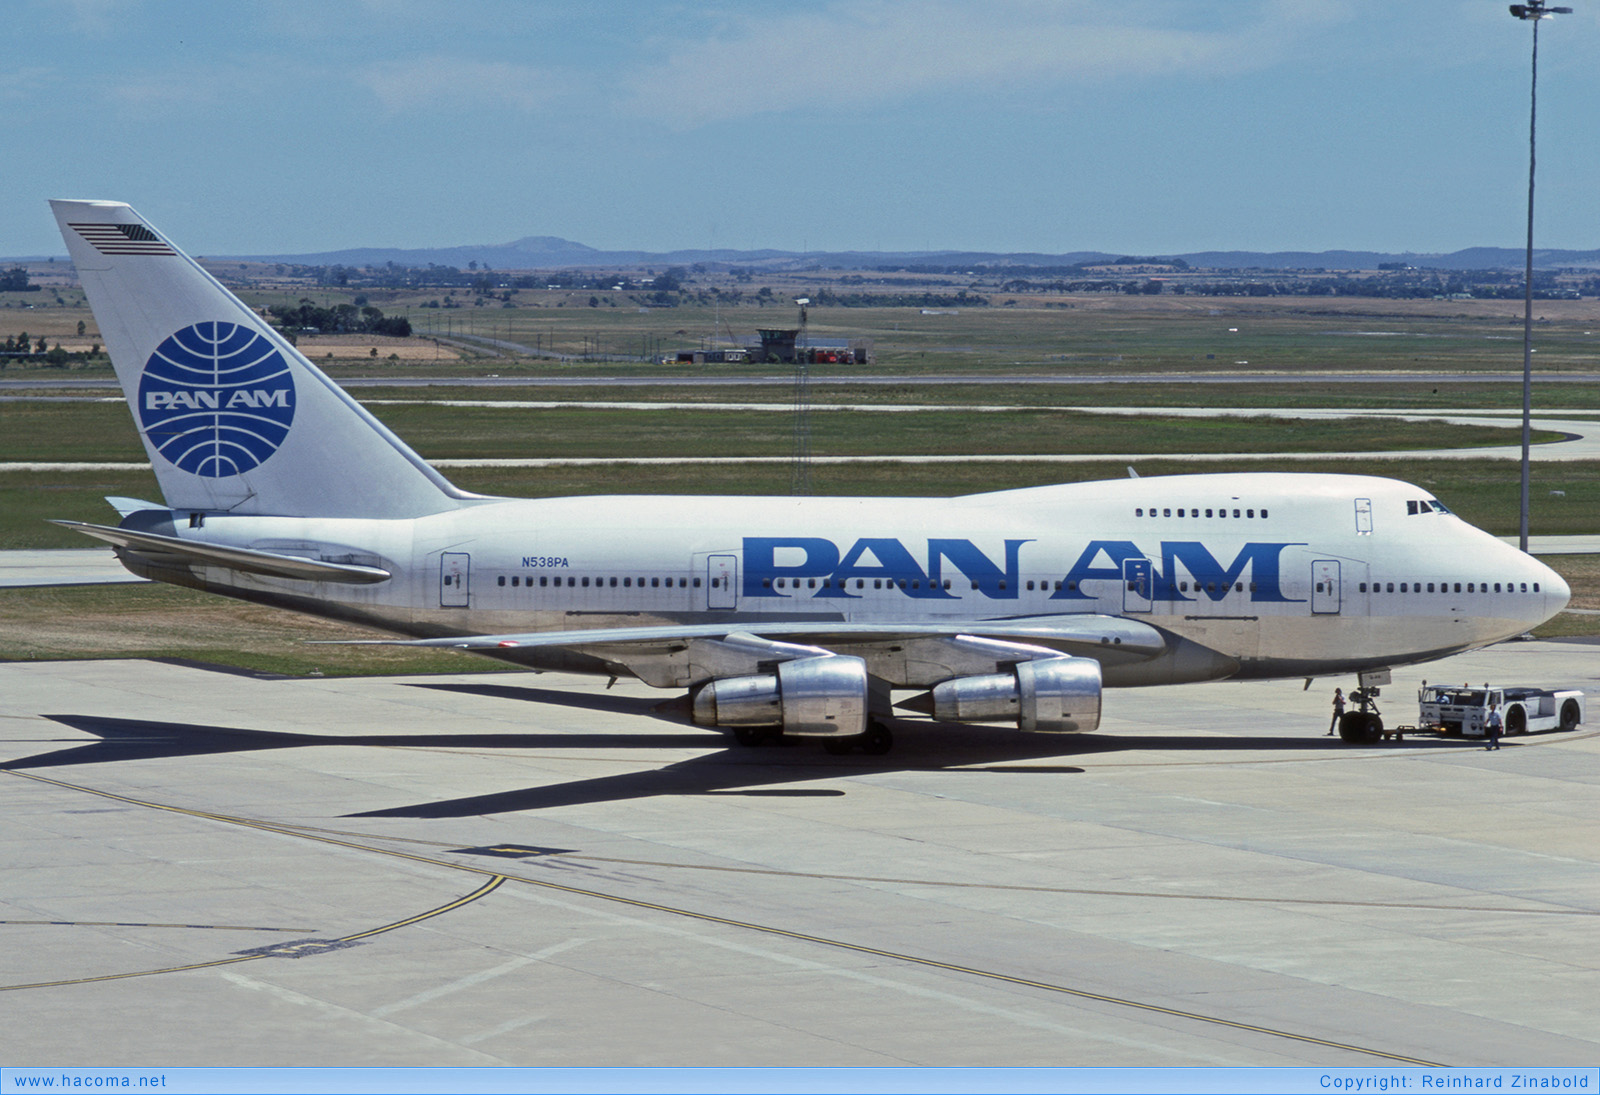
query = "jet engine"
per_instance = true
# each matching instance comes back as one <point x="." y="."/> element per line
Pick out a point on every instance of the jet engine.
<point x="1054" y="695"/>
<point x="822" y="697"/>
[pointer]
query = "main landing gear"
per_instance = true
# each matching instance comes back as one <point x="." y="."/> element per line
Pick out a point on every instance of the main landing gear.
<point x="874" y="742"/>
<point x="753" y="736"/>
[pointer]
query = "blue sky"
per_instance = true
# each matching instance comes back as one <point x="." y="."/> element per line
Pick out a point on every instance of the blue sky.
<point x="1146" y="127"/>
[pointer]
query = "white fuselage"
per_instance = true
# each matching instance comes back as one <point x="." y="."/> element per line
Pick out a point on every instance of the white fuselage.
<point x="1256" y="575"/>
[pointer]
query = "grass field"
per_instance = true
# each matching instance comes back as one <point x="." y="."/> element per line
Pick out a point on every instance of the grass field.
<point x="158" y="621"/>
<point x="1551" y="395"/>
<point x="1267" y="394"/>
<point x="103" y="431"/>
<point x="1086" y="333"/>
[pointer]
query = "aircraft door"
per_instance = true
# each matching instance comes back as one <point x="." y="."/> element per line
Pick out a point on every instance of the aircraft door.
<point x="1364" y="516"/>
<point x="1136" y="585"/>
<point x="455" y="571"/>
<point x="722" y="571"/>
<point x="1325" y="586"/>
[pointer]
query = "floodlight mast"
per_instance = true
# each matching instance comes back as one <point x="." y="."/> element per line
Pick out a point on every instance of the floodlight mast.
<point x="1532" y="12"/>
<point x="800" y="475"/>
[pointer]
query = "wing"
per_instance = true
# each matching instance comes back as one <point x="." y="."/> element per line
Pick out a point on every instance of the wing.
<point x="905" y="655"/>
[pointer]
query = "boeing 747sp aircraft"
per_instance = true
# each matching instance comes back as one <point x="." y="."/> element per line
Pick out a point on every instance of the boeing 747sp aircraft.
<point x="783" y="615"/>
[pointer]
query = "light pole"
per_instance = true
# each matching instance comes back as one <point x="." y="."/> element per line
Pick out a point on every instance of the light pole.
<point x="800" y="477"/>
<point x="1531" y="12"/>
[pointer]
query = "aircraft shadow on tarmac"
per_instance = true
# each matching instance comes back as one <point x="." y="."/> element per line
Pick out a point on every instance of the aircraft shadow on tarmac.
<point x="728" y="770"/>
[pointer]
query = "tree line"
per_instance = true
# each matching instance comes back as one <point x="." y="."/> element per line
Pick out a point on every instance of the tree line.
<point x="15" y="280"/>
<point x="340" y="319"/>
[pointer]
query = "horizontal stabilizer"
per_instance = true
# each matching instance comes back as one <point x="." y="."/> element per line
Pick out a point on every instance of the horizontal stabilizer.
<point x="172" y="550"/>
<point x="125" y="506"/>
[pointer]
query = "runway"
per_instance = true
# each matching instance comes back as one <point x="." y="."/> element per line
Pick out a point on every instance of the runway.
<point x="1133" y="380"/>
<point x="208" y="867"/>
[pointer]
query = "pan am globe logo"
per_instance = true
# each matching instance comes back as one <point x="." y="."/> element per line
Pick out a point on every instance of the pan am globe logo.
<point x="216" y="399"/>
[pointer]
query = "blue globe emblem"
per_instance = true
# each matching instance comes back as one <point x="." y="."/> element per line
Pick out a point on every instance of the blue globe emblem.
<point x="216" y="399"/>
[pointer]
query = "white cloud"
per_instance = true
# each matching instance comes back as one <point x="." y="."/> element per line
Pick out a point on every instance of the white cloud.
<point x="26" y="83"/>
<point x="97" y="18"/>
<point x="869" y="51"/>
<point x="455" y="82"/>
<point x="234" y="86"/>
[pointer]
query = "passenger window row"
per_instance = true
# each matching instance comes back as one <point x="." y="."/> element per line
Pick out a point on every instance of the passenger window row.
<point x="1445" y="587"/>
<point x="570" y="581"/>
<point x="904" y="583"/>
<point x="861" y="583"/>
<point x="1192" y="511"/>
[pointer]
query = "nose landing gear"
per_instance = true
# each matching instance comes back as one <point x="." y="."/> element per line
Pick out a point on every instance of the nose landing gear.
<point x="1364" y="725"/>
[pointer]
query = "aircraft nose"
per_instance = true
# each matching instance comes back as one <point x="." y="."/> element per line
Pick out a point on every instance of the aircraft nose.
<point x="1554" y="590"/>
<point x="1557" y="591"/>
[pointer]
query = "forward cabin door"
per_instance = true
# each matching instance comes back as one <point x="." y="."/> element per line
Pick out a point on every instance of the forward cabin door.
<point x="722" y="572"/>
<point x="1325" y="587"/>
<point x="455" y="573"/>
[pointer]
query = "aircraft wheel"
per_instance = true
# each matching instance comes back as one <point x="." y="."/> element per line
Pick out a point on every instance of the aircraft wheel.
<point x="755" y="735"/>
<point x="1359" y="729"/>
<point x="877" y="740"/>
<point x="1569" y="715"/>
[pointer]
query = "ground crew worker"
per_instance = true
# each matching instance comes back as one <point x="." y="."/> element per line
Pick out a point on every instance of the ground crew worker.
<point x="1338" y="711"/>
<point x="1492" y="725"/>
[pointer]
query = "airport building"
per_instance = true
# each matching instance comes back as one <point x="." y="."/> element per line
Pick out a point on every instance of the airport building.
<point x="785" y="346"/>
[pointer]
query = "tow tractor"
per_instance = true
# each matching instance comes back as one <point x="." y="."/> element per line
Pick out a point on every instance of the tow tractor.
<point x="1461" y="711"/>
<point x="1464" y="710"/>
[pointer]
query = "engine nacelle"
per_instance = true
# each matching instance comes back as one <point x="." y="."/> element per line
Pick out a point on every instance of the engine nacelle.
<point x="822" y="697"/>
<point x="1054" y="695"/>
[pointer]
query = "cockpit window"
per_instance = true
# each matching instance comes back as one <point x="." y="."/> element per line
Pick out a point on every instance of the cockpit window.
<point x="1417" y="506"/>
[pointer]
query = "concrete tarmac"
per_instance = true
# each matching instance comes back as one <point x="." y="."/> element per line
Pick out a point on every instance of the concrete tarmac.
<point x="207" y="867"/>
<point x="62" y="567"/>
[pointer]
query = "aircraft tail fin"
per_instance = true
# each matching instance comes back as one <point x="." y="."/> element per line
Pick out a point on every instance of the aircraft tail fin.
<point x="234" y="418"/>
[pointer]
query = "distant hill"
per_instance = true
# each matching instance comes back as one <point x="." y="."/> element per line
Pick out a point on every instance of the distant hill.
<point x="528" y="253"/>
<point x="1472" y="258"/>
<point x="552" y="252"/>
